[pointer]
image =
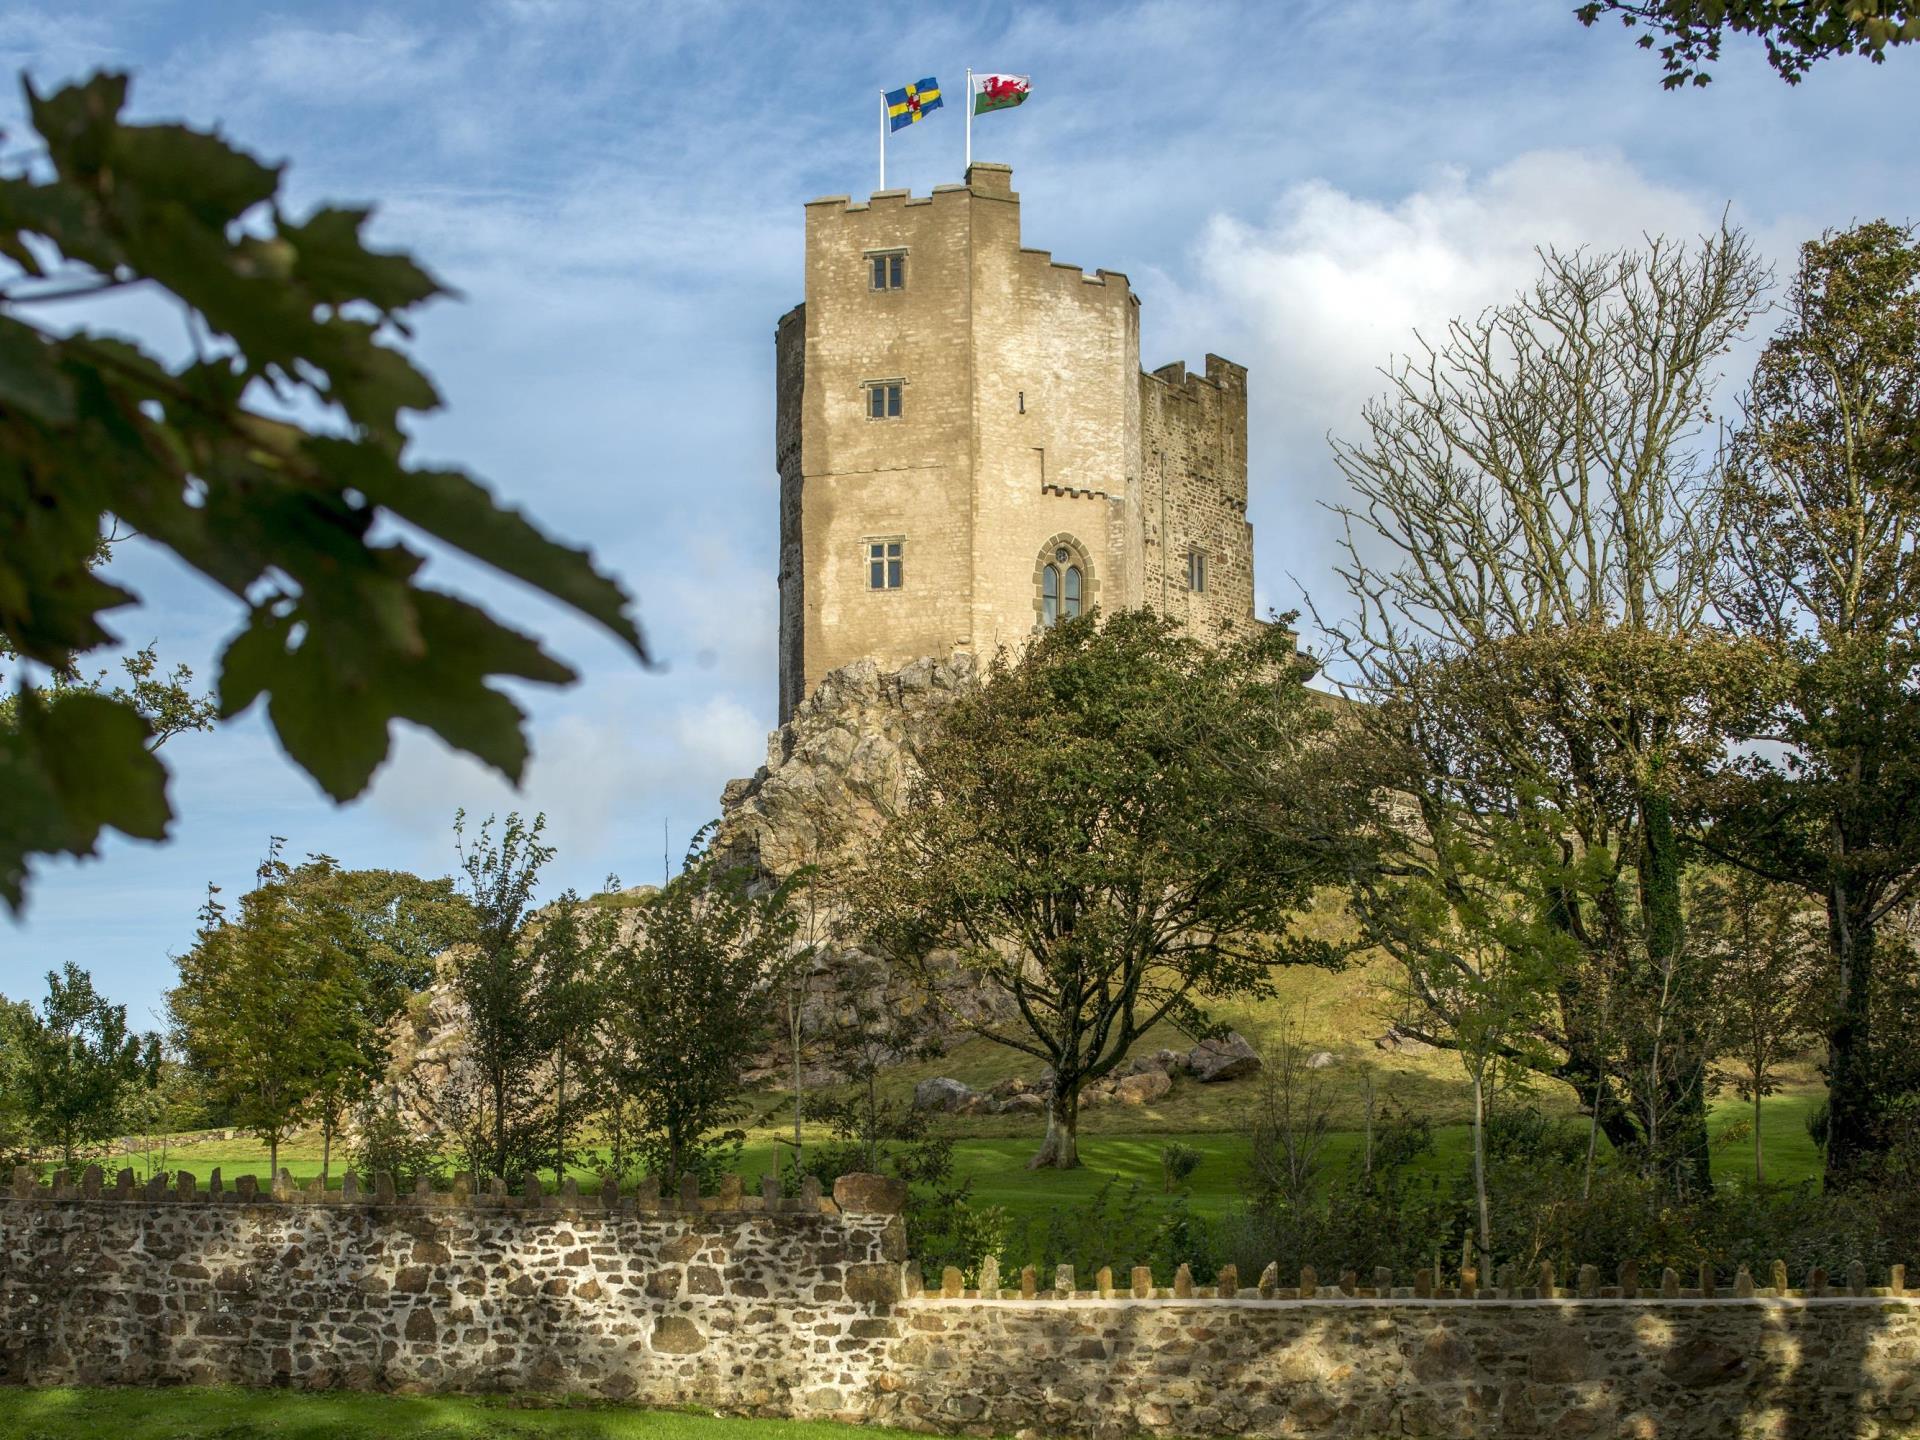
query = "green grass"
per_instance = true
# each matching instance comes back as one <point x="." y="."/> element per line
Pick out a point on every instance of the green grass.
<point x="997" y="1164"/>
<point x="204" y="1414"/>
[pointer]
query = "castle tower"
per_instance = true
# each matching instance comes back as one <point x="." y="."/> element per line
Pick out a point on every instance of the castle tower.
<point x="969" y="450"/>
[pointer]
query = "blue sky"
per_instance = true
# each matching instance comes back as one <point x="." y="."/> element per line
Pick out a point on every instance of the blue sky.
<point x="616" y="190"/>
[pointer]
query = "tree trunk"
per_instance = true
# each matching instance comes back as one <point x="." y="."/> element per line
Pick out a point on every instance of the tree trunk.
<point x="1759" y="1166"/>
<point x="273" y="1160"/>
<point x="793" y="1041"/>
<point x="1849" y="1079"/>
<point x="1061" y="1149"/>
<point x="326" y="1148"/>
<point x="1480" y="1176"/>
<point x="559" y="1121"/>
<point x="1681" y="1091"/>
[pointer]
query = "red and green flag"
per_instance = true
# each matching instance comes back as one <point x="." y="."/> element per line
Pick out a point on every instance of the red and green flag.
<point x="999" y="92"/>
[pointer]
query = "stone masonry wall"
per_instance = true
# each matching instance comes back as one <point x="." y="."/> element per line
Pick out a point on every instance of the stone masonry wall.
<point x="802" y="1308"/>
<point x="750" y="1303"/>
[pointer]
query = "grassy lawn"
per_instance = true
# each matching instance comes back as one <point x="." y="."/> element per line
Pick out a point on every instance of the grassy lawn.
<point x="195" y="1414"/>
<point x="997" y="1164"/>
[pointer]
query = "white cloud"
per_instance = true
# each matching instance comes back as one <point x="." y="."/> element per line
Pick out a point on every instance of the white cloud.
<point x="1324" y="290"/>
<point x="1331" y="285"/>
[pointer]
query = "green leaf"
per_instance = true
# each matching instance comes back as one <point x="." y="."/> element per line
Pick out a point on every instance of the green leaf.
<point x="457" y="509"/>
<point x="331" y="261"/>
<point x="332" y="725"/>
<point x="250" y="661"/>
<point x="73" y="765"/>
<point x="202" y="172"/>
<point x="30" y="377"/>
<point x="78" y="121"/>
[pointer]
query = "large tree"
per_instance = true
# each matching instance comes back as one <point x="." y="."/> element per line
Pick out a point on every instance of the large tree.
<point x="390" y="925"/>
<point x="1530" y="558"/>
<point x="1825" y="572"/>
<point x="79" y="1064"/>
<point x="1797" y="33"/>
<point x="271" y="1010"/>
<point x="1118" y="824"/>
<point x="300" y="524"/>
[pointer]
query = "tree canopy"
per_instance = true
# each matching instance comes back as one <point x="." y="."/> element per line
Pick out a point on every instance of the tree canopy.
<point x="206" y="459"/>
<point x="1116" y="825"/>
<point x="1797" y="33"/>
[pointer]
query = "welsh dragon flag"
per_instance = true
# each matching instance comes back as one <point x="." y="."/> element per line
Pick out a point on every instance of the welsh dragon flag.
<point x="998" y="92"/>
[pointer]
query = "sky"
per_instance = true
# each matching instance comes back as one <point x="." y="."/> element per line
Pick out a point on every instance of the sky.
<point x="616" y="190"/>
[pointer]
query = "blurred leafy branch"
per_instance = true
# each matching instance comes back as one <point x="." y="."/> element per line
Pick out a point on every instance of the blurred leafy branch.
<point x="100" y="438"/>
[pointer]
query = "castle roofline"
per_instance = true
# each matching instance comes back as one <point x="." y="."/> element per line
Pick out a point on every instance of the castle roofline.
<point x="984" y="178"/>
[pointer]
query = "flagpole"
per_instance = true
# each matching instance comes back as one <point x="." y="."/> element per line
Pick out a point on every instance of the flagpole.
<point x="883" y="139"/>
<point x="967" y="97"/>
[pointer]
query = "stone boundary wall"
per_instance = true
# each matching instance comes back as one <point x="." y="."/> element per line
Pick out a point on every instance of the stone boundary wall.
<point x="804" y="1307"/>
<point x="755" y="1303"/>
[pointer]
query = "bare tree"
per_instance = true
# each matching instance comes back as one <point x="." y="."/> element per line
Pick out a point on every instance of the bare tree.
<point x="1529" y="561"/>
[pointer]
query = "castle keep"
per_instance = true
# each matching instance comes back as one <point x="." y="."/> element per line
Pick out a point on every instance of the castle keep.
<point x="968" y="448"/>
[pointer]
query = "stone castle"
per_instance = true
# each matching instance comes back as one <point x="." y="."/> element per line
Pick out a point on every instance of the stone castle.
<point x="969" y="450"/>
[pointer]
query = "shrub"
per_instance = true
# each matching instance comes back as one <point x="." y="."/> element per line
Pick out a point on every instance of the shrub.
<point x="383" y="1143"/>
<point x="1177" y="1162"/>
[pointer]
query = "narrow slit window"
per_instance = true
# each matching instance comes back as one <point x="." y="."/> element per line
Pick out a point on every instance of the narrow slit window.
<point x="885" y="564"/>
<point x="883" y="400"/>
<point x="1197" y="571"/>
<point x="1072" y="592"/>
<point x="1049" y="595"/>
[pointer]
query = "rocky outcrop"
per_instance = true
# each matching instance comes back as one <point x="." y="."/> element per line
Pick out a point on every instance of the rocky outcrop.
<point x="838" y="767"/>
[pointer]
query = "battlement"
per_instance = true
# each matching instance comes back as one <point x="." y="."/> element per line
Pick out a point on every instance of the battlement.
<point x="1221" y="375"/>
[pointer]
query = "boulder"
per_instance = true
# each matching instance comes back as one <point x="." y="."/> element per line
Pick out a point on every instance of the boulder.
<point x="1227" y="1058"/>
<point x="1142" y="1089"/>
<point x="1141" y="1064"/>
<point x="1401" y="1042"/>
<point x="939" y="1093"/>
<point x="1023" y="1105"/>
<point x="1321" y="1060"/>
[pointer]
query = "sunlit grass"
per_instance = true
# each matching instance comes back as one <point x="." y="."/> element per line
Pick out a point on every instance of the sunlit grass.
<point x="204" y="1414"/>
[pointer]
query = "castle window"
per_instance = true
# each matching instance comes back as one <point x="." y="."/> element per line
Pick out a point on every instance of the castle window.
<point x="1197" y="570"/>
<point x="884" y="562"/>
<point x="883" y="400"/>
<point x="1061" y="584"/>
<point x="888" y="270"/>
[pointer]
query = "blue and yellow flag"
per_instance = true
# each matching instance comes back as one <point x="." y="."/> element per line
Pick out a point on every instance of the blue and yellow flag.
<point x="909" y="105"/>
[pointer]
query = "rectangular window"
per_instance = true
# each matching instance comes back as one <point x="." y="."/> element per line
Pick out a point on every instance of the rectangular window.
<point x="1197" y="570"/>
<point x="884" y="564"/>
<point x="883" y="400"/>
<point x="889" y="270"/>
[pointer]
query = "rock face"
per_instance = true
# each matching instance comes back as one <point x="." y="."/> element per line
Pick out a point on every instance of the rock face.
<point x="838" y="766"/>
<point x="833" y="773"/>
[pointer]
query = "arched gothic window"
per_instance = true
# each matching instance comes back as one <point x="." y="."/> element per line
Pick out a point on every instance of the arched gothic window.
<point x="1062" y="586"/>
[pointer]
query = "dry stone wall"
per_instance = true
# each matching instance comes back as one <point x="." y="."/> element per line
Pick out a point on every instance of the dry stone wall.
<point x="755" y="1303"/>
<point x="802" y="1307"/>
